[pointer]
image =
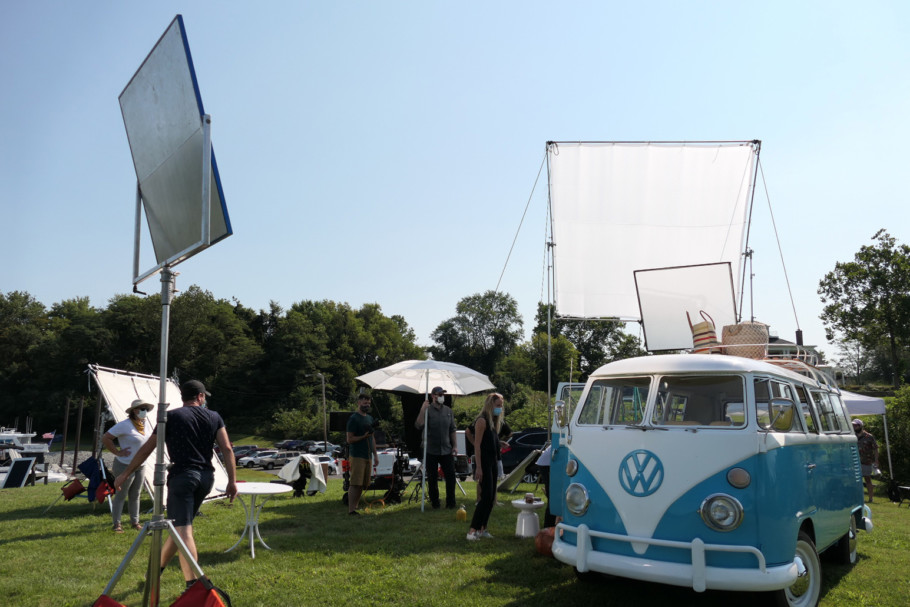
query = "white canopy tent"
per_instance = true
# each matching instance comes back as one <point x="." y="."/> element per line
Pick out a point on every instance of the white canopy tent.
<point x="857" y="404"/>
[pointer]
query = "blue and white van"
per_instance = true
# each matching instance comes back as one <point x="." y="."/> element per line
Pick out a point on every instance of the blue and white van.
<point x="707" y="471"/>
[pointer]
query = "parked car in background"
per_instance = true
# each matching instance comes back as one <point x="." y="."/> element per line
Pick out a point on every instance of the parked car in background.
<point x="519" y="446"/>
<point x="278" y="460"/>
<point x="324" y="447"/>
<point x="292" y="444"/>
<point x="334" y="466"/>
<point x="305" y="446"/>
<point x="255" y="459"/>
<point x="241" y="450"/>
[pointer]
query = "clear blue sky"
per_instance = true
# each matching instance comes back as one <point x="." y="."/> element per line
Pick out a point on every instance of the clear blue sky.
<point x="385" y="151"/>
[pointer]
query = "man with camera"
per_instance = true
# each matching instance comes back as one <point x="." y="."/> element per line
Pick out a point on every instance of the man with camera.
<point x="441" y="445"/>
<point x="361" y="450"/>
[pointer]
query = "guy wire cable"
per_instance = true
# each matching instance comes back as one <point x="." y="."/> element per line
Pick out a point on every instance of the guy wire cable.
<point x="530" y="197"/>
<point x="779" y="248"/>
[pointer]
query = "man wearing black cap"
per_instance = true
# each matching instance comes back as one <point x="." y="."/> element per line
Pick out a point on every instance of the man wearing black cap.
<point x="191" y="432"/>
<point x="441" y="445"/>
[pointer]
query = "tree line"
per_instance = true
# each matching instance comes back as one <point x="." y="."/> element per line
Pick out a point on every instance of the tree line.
<point x="262" y="367"/>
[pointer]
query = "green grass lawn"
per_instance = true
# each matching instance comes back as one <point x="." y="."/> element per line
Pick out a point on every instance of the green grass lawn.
<point x="392" y="556"/>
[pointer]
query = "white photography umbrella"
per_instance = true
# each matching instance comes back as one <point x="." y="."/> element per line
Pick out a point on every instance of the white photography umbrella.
<point x="416" y="377"/>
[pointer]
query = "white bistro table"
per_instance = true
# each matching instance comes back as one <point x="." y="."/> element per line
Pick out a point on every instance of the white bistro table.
<point x="255" y="490"/>
<point x="528" y="524"/>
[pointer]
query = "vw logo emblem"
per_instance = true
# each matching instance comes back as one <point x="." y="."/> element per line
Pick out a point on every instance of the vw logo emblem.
<point x="641" y="473"/>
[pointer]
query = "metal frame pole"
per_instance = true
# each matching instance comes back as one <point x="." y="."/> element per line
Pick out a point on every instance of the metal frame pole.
<point x="153" y="583"/>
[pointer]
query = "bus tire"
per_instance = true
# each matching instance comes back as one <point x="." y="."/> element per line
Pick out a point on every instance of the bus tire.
<point x="844" y="551"/>
<point x="806" y="590"/>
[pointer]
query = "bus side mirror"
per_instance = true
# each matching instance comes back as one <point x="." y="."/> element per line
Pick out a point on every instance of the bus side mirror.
<point x="783" y="418"/>
<point x="560" y="409"/>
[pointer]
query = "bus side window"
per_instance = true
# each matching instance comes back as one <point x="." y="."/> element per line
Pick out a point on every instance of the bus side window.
<point x="840" y="413"/>
<point x="592" y="410"/>
<point x="808" y="412"/>
<point x="766" y="390"/>
<point x="827" y="419"/>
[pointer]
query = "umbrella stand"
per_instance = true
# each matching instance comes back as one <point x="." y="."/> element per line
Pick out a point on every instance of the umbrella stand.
<point x="423" y="463"/>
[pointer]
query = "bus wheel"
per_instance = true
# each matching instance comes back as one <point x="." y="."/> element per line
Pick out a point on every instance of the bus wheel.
<point x="806" y="590"/>
<point x="844" y="551"/>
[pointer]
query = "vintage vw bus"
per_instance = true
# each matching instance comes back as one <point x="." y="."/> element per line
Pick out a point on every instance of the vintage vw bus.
<point x="708" y="471"/>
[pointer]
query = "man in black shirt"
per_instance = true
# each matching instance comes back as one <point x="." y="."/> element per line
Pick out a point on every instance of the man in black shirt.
<point x="191" y="433"/>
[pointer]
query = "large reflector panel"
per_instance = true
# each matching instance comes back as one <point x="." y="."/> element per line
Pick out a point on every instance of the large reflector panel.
<point x="667" y="294"/>
<point x="622" y="207"/>
<point x="162" y="112"/>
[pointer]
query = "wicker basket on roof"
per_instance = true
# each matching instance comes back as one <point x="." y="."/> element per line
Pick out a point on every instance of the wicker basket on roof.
<point x="746" y="339"/>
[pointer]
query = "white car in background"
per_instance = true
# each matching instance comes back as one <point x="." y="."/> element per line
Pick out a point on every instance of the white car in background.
<point x="334" y="466"/>
<point x="256" y="459"/>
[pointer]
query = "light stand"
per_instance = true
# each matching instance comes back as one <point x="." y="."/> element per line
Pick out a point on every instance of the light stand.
<point x="158" y="522"/>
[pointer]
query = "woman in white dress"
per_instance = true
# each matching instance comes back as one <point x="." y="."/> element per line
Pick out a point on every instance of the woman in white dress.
<point x="130" y="434"/>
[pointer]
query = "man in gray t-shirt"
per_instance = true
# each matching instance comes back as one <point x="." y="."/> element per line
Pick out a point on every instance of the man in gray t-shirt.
<point x="441" y="445"/>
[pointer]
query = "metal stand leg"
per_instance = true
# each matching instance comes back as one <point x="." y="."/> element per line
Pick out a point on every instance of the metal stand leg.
<point x="152" y="528"/>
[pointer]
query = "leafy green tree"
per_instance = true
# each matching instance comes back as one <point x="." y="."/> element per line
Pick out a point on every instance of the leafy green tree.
<point x="898" y="409"/>
<point x="867" y="300"/>
<point x="23" y="328"/>
<point x="527" y="409"/>
<point x="485" y="329"/>
<point x="597" y="341"/>
<point x="135" y="326"/>
<point x="76" y="338"/>
<point x="855" y="358"/>
<point x="526" y="365"/>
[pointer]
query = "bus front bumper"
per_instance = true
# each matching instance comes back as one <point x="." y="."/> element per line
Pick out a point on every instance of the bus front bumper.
<point x="696" y="575"/>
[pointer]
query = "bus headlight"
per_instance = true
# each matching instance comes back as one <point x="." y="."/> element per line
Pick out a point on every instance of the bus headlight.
<point x="721" y="512"/>
<point x="577" y="499"/>
<point x="571" y="467"/>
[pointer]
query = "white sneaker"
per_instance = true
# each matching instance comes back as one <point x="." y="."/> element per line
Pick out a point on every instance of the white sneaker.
<point x="486" y="534"/>
<point x="473" y="536"/>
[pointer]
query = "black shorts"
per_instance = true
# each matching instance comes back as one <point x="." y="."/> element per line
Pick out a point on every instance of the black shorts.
<point x="185" y="492"/>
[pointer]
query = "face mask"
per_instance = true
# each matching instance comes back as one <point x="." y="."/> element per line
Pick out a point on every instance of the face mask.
<point x="364" y="408"/>
<point x="141" y="413"/>
<point x="441" y="399"/>
<point x="497" y="410"/>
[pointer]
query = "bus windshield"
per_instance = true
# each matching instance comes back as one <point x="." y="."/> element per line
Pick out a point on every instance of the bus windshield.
<point x="715" y="400"/>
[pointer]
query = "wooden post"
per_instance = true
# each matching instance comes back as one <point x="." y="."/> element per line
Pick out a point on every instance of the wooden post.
<point x="66" y="421"/>
<point x="78" y="432"/>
